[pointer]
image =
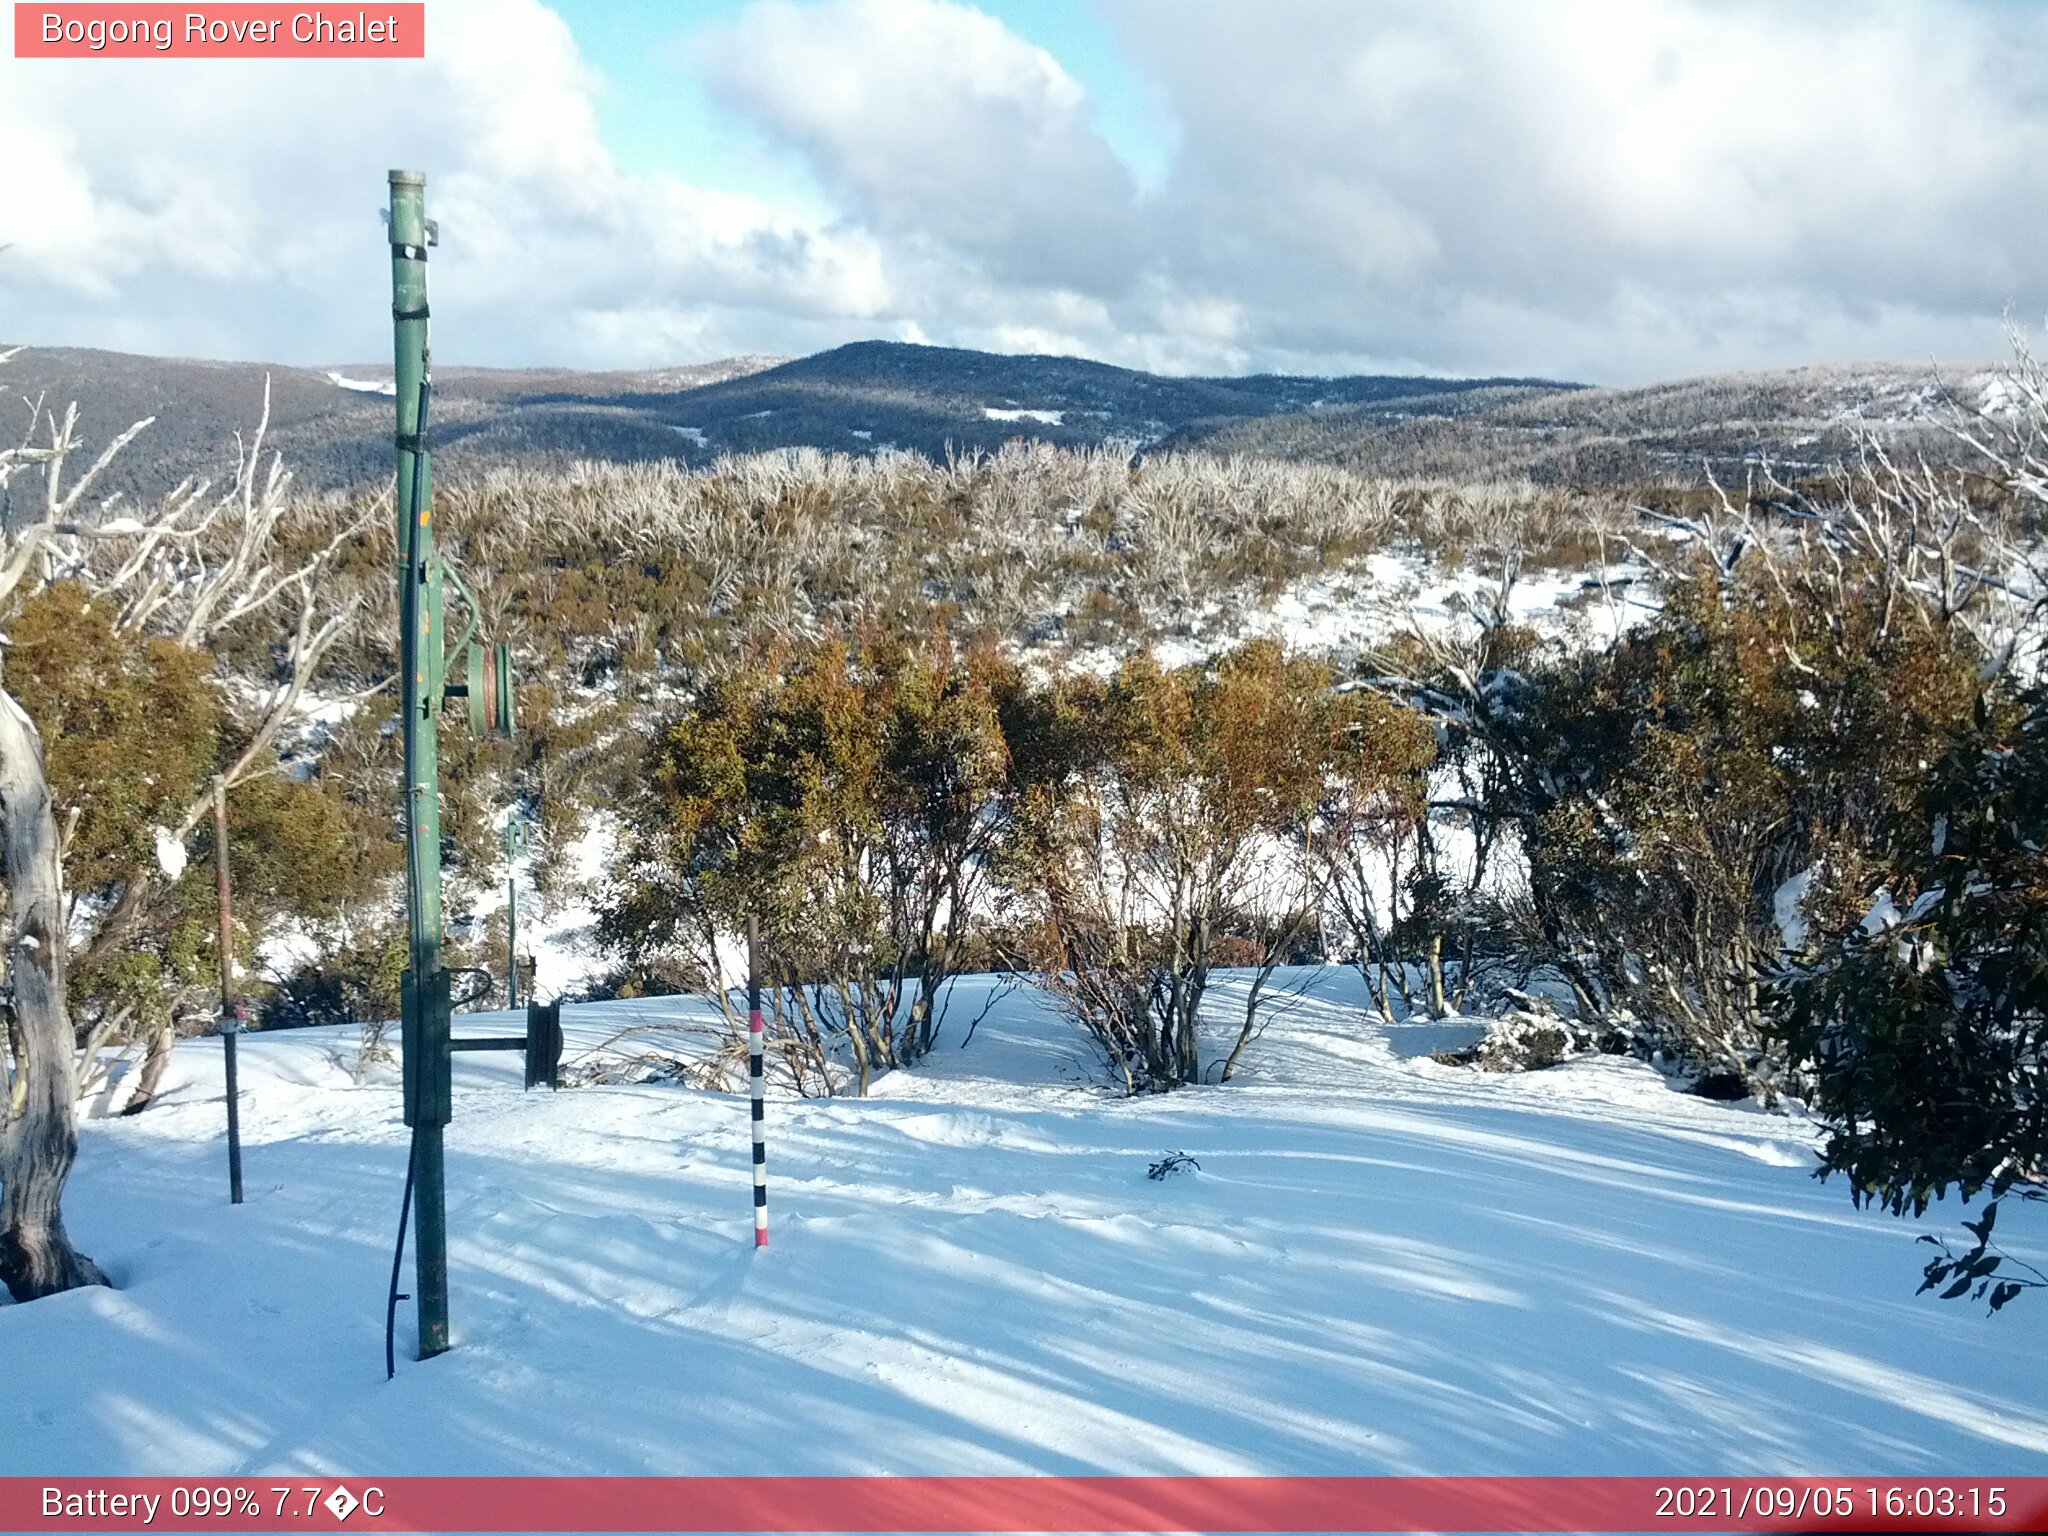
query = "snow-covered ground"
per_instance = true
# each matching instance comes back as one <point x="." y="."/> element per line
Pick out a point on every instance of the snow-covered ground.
<point x="1384" y="1265"/>
<point x="1346" y="614"/>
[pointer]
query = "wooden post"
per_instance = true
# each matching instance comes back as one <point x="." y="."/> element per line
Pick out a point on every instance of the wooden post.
<point x="230" y="1010"/>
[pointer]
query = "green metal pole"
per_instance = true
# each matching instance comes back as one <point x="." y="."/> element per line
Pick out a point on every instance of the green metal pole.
<point x="421" y="662"/>
<point x="511" y="912"/>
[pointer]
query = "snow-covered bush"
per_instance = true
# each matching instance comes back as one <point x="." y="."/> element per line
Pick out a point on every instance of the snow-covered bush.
<point x="1533" y="1036"/>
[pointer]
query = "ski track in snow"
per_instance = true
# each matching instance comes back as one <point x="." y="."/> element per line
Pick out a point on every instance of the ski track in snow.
<point x="1384" y="1265"/>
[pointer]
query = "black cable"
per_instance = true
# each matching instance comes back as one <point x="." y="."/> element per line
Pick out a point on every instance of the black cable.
<point x="486" y="981"/>
<point x="412" y="1160"/>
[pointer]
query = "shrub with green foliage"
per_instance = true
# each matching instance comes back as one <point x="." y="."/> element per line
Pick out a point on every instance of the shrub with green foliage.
<point x="1163" y="812"/>
<point x="129" y="729"/>
<point x="1778" y="717"/>
<point x="1927" y="1024"/>
<point x="850" y="798"/>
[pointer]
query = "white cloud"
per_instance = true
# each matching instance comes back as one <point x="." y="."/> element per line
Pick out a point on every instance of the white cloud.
<point x="1627" y="186"/>
<point x="228" y="208"/>
<point x="936" y="123"/>
<point x="1606" y="189"/>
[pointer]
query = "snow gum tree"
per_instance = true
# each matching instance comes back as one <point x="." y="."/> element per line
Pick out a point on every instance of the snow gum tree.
<point x="1729" y="773"/>
<point x="1755" y="734"/>
<point x="125" y="604"/>
<point x="1372" y="851"/>
<point x="1927" y="1022"/>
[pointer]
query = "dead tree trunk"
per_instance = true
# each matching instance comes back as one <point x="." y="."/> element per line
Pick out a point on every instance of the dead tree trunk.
<point x="39" y="1139"/>
<point x="162" y="1041"/>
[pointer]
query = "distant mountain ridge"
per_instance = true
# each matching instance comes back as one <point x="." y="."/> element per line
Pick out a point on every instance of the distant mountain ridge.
<point x="1800" y="419"/>
<point x="333" y="425"/>
<point x="876" y="393"/>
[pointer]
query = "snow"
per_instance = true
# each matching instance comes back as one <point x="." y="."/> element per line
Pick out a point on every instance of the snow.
<point x="170" y="854"/>
<point x="1884" y="913"/>
<point x="2002" y="395"/>
<point x="694" y="434"/>
<point x="362" y="386"/>
<point x="1048" y="418"/>
<point x="1384" y="1265"/>
<point x="1787" y="908"/>
<point x="559" y="932"/>
<point x="1345" y="613"/>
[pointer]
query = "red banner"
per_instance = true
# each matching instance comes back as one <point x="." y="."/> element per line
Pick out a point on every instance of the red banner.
<point x="374" y="30"/>
<point x="1006" y="1504"/>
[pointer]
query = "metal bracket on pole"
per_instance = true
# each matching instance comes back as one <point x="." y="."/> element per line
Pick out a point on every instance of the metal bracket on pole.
<point x="543" y="1045"/>
<point x="428" y="1037"/>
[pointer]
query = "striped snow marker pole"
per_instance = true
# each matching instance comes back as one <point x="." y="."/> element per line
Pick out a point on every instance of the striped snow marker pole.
<point x="756" y="1039"/>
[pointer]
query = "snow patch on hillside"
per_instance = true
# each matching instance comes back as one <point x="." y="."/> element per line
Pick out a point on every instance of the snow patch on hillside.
<point x="362" y="386"/>
<point x="1345" y="613"/>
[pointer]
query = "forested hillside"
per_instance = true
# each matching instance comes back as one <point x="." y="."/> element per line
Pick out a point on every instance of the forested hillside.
<point x="874" y="397"/>
<point x="860" y="399"/>
<point x="334" y="424"/>
<point x="1800" y="420"/>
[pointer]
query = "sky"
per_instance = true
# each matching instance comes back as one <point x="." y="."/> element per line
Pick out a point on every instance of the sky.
<point x="1605" y="190"/>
